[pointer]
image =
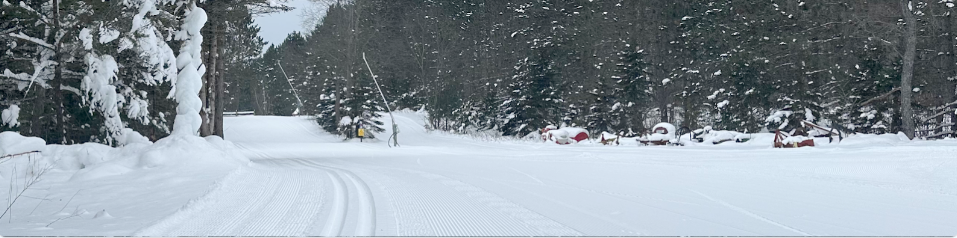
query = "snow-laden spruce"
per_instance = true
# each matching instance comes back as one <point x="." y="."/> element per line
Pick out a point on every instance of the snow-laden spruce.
<point x="99" y="90"/>
<point x="189" y="81"/>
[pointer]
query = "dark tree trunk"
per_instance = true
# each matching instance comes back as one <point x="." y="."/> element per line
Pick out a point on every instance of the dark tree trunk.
<point x="907" y="74"/>
<point x="39" y="106"/>
<point x="59" y="127"/>
<point x="220" y="84"/>
<point x="953" y="67"/>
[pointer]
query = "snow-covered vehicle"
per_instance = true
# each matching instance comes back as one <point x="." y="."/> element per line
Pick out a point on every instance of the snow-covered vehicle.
<point x="663" y="134"/>
<point x="564" y="135"/>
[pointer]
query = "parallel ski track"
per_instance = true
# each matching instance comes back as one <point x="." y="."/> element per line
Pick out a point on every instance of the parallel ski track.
<point x="345" y="181"/>
<point x="345" y="185"/>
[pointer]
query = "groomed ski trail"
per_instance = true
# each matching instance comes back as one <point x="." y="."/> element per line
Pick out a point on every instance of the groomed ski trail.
<point x="276" y="197"/>
<point x="305" y="182"/>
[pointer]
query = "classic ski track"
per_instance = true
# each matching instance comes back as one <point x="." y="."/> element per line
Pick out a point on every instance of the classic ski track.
<point x="751" y="214"/>
<point x="335" y="221"/>
<point x="365" y="218"/>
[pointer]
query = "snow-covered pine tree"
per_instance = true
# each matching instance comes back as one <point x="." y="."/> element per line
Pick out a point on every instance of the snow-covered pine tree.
<point x="109" y="60"/>
<point x="599" y="118"/>
<point x="147" y="63"/>
<point x="629" y="94"/>
<point x="487" y="110"/>
<point x="327" y="116"/>
<point x="742" y="99"/>
<point x="32" y="61"/>
<point x="363" y="105"/>
<point x="533" y="102"/>
<point x="866" y="105"/>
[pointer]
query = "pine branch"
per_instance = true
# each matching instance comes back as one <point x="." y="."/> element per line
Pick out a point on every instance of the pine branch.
<point x="31" y="39"/>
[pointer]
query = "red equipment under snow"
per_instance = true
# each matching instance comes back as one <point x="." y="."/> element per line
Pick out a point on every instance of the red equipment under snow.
<point x="565" y="135"/>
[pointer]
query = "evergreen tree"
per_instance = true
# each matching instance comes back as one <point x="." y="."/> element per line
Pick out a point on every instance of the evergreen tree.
<point x="327" y="115"/>
<point x="743" y="97"/>
<point x="863" y="110"/>
<point x="630" y="96"/>
<point x="532" y="103"/>
<point x="599" y="115"/>
<point x="363" y="107"/>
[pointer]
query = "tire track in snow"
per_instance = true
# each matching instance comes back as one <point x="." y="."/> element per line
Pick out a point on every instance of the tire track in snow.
<point x="751" y="214"/>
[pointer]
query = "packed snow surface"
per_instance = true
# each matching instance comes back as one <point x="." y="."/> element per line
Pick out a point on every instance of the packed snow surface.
<point x="301" y="181"/>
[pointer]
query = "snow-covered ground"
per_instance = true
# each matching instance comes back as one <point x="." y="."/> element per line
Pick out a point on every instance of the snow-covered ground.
<point x="301" y="181"/>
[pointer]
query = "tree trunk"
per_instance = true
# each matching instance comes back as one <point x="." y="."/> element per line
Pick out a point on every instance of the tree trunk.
<point x="663" y="109"/>
<point x="59" y="126"/>
<point x="205" y="129"/>
<point x="213" y="84"/>
<point x="39" y="106"/>
<point x="220" y="86"/>
<point x="910" y="51"/>
<point x="254" y="88"/>
<point x="953" y="67"/>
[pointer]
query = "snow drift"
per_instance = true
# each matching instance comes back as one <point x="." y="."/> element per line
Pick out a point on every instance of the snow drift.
<point x="13" y="143"/>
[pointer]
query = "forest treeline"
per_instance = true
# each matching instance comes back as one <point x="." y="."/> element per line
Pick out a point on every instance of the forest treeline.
<point x="75" y="71"/>
<point x="506" y="66"/>
<point x="617" y="65"/>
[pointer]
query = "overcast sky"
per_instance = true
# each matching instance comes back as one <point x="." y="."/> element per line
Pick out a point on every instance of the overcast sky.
<point x="275" y="27"/>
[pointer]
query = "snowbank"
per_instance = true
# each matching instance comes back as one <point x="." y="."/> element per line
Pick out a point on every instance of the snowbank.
<point x="13" y="143"/>
<point x="92" y="160"/>
<point x="875" y="140"/>
<point x="16" y="166"/>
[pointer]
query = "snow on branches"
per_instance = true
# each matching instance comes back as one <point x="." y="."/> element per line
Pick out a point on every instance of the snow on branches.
<point x="189" y="81"/>
<point x="9" y="116"/>
<point x="100" y="92"/>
